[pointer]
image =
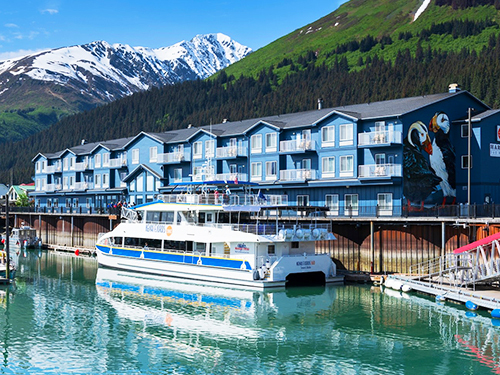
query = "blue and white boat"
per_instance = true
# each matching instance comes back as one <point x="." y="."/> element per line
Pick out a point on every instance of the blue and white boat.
<point x="195" y="236"/>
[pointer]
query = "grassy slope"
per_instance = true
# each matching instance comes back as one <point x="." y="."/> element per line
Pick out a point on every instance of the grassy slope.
<point x="359" y="18"/>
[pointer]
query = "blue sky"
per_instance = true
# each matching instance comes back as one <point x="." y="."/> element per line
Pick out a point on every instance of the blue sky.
<point x="31" y="25"/>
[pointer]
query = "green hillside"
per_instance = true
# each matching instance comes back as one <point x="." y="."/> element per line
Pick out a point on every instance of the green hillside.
<point x="381" y="20"/>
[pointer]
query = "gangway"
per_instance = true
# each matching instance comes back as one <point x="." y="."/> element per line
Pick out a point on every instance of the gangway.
<point x="473" y="264"/>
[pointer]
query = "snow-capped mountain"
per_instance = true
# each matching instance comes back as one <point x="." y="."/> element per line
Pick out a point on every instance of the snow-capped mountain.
<point x="98" y="72"/>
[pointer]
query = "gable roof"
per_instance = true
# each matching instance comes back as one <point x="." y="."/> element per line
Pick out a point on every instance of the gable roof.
<point x="139" y="168"/>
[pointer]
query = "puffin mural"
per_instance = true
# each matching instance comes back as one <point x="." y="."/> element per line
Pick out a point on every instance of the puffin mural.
<point x="443" y="156"/>
<point x="419" y="179"/>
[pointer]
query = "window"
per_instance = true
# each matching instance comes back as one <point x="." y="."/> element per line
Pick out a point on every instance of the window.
<point x="328" y="166"/>
<point x="97" y="180"/>
<point x="351" y="204"/>
<point x="65" y="183"/>
<point x="302" y="200"/>
<point x="105" y="159"/>
<point x="379" y="159"/>
<point x="49" y="202"/>
<point x="197" y="150"/>
<point x="271" y="170"/>
<point x="153" y="154"/>
<point x="37" y="167"/>
<point x="465" y="130"/>
<point x="66" y="164"/>
<point x="105" y="180"/>
<point x="197" y="173"/>
<point x="88" y="202"/>
<point x="72" y="182"/>
<point x="465" y="162"/>
<point x="256" y="171"/>
<point x="384" y="203"/>
<point x="346" y="165"/>
<point x="232" y="168"/>
<point x="271" y="142"/>
<point x="38" y="184"/>
<point x="140" y="183"/>
<point x="72" y="164"/>
<point x="135" y="156"/>
<point x="132" y="185"/>
<point x="97" y="160"/>
<point x="150" y="183"/>
<point x="56" y="202"/>
<point x="256" y="143"/>
<point x="332" y="202"/>
<point x="379" y="126"/>
<point x="68" y="202"/>
<point x="346" y="134"/>
<point x="328" y="136"/>
<point x="44" y="184"/>
<point x="75" y="202"/>
<point x="210" y="148"/>
<point x="306" y="164"/>
<point x="178" y="175"/>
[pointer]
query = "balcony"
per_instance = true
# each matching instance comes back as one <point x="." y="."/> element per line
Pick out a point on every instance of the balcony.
<point x="80" y="186"/>
<point x="80" y="167"/>
<point x="385" y="138"/>
<point x="230" y="152"/>
<point x="380" y="170"/>
<point x="297" y="145"/>
<point x="117" y="163"/>
<point x="297" y="175"/>
<point x="231" y="177"/>
<point x="173" y="157"/>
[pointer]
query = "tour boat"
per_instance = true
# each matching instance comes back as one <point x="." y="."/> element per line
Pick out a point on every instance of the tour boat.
<point x="195" y="236"/>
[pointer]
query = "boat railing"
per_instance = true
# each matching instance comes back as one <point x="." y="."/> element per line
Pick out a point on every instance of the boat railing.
<point x="226" y="199"/>
<point x="130" y="214"/>
<point x="266" y="229"/>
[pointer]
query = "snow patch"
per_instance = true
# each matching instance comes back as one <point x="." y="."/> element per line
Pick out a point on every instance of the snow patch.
<point x="420" y="10"/>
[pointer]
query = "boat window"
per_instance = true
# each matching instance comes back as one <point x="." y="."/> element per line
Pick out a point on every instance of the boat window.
<point x="200" y="247"/>
<point x="295" y="245"/>
<point x="153" y="216"/>
<point x="167" y="217"/>
<point x="117" y="240"/>
<point x="190" y="216"/>
<point x="271" y="249"/>
<point x="210" y="217"/>
<point x="201" y="217"/>
<point x="148" y="243"/>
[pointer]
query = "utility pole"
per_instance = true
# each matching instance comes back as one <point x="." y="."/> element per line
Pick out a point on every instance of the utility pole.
<point x="469" y="131"/>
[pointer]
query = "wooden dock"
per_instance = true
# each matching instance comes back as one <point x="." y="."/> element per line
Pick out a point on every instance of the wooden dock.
<point x="72" y="250"/>
<point x="483" y="296"/>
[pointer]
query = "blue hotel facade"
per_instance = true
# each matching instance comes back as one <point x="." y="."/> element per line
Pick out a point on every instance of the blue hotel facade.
<point x="364" y="159"/>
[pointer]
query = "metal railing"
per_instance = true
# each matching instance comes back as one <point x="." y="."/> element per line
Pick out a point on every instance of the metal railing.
<point x="225" y="199"/>
<point x="379" y="138"/>
<point x="230" y="151"/>
<point x="297" y="174"/>
<point x="174" y="157"/>
<point x="297" y="145"/>
<point x="379" y="170"/>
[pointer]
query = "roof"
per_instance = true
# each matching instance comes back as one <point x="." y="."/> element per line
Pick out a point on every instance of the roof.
<point x="143" y="167"/>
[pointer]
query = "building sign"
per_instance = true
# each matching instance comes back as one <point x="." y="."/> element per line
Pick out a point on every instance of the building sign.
<point x="241" y="248"/>
<point x="495" y="150"/>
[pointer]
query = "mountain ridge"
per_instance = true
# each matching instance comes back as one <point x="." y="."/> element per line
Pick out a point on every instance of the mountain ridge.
<point x="80" y="77"/>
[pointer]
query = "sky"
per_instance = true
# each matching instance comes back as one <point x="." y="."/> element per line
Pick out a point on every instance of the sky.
<point x="28" y="26"/>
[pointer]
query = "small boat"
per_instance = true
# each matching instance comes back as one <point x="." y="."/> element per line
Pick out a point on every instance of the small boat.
<point x="3" y="266"/>
<point x="23" y="237"/>
<point x="193" y="236"/>
<point x="495" y="313"/>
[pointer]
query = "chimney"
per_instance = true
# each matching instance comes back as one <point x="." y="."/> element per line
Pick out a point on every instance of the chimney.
<point x="453" y="88"/>
<point x="83" y="142"/>
<point x="224" y="121"/>
<point x="320" y="103"/>
<point x="190" y="126"/>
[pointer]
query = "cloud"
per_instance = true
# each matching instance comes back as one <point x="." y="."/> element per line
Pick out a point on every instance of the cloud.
<point x="50" y="11"/>
<point x="11" y="25"/>
<point x="19" y="53"/>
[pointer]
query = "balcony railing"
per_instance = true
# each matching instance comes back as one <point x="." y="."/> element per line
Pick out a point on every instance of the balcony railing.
<point x="118" y="162"/>
<point x="80" y="167"/>
<point x="83" y="186"/>
<point x="379" y="138"/>
<point x="49" y="169"/>
<point x="230" y="152"/>
<point x="379" y="170"/>
<point x="173" y="157"/>
<point x="297" y="175"/>
<point x="297" y="145"/>
<point x="231" y="177"/>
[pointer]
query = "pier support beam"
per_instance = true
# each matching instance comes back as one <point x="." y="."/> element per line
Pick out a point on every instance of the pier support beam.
<point x="372" y="246"/>
<point x="443" y="238"/>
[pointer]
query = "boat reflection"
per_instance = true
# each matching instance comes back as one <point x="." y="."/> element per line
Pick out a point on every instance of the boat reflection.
<point x="208" y="310"/>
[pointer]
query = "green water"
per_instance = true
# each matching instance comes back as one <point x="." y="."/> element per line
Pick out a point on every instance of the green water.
<point x="58" y="319"/>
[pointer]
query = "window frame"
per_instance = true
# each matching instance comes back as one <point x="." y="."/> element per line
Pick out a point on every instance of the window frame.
<point x="256" y="144"/>
<point x="327" y="174"/>
<point x="153" y="154"/>
<point x="346" y="137"/>
<point x="271" y="176"/>
<point x="343" y="172"/>
<point x="135" y="156"/>
<point x="258" y="167"/>
<point x="328" y="130"/>
<point x="271" y="142"/>
<point x="197" y="150"/>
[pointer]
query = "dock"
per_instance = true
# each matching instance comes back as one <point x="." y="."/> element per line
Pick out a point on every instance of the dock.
<point x="72" y="250"/>
<point x="484" y="296"/>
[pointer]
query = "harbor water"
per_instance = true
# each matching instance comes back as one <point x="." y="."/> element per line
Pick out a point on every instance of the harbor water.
<point x="64" y="315"/>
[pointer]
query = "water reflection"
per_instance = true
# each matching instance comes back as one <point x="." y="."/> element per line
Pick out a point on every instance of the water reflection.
<point x="66" y="316"/>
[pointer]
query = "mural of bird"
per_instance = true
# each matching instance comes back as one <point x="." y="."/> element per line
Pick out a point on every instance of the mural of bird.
<point x="443" y="157"/>
<point x="419" y="179"/>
